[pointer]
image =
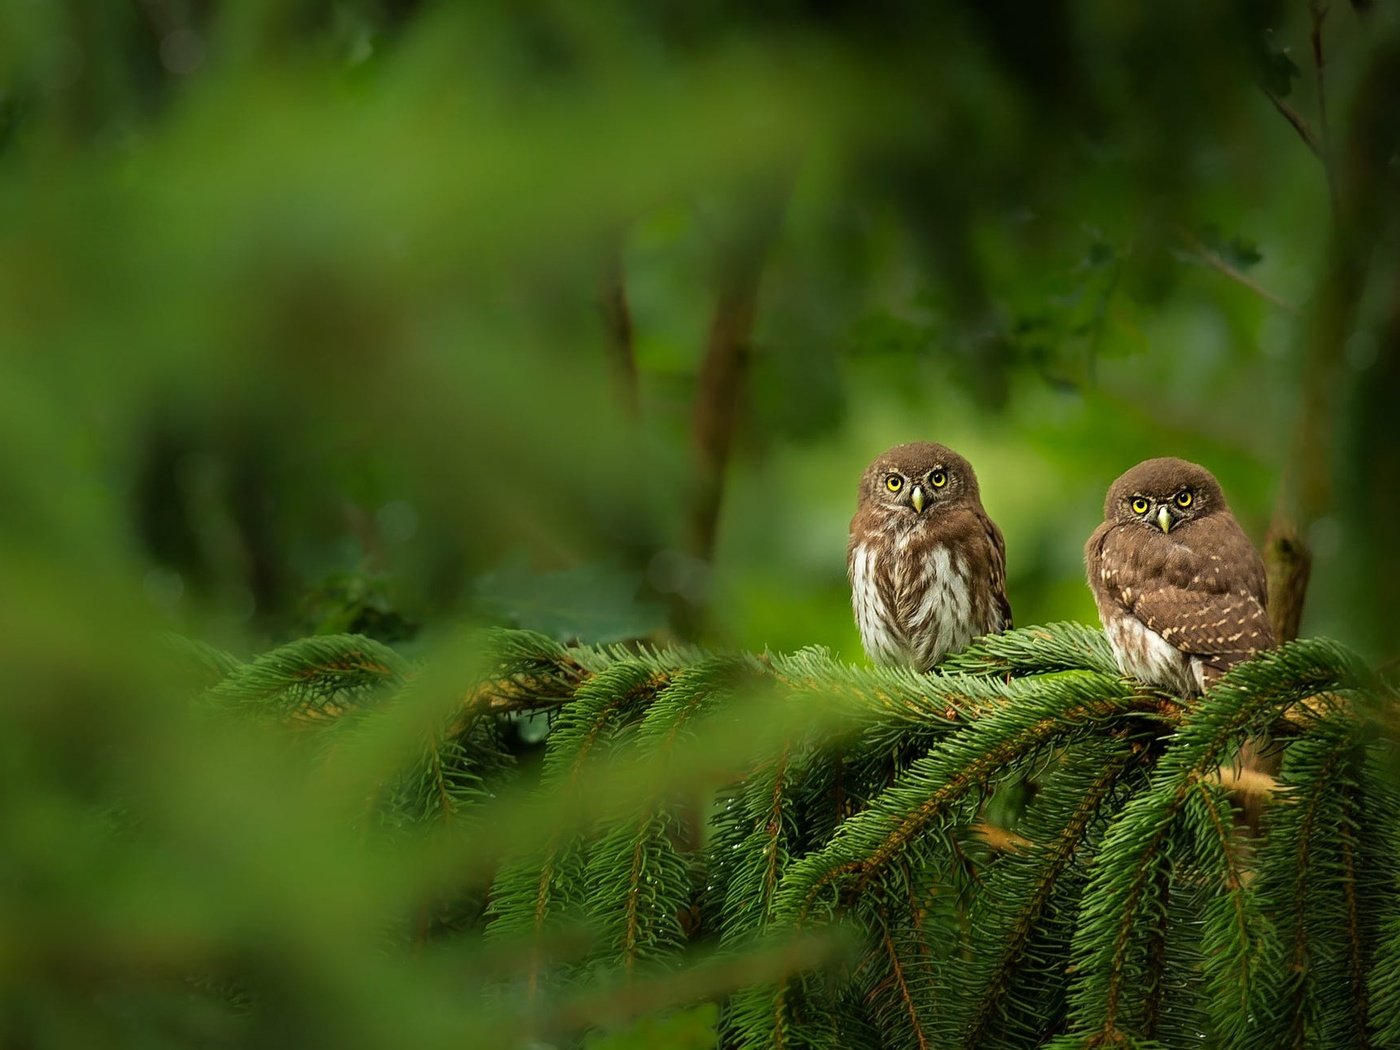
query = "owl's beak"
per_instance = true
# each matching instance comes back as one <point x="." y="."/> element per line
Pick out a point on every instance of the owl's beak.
<point x="916" y="497"/>
<point x="1164" y="518"/>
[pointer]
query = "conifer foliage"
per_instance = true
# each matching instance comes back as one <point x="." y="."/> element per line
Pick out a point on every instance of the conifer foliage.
<point x="1020" y="849"/>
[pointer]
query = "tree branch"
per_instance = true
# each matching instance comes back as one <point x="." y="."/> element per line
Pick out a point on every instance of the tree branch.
<point x="1319" y="15"/>
<point x="617" y="319"/>
<point x="1215" y="261"/>
<point x="719" y="388"/>
<point x="1287" y="560"/>
<point x="723" y="375"/>
<point x="1300" y="125"/>
<point x="1307" y="492"/>
<point x="1288" y="566"/>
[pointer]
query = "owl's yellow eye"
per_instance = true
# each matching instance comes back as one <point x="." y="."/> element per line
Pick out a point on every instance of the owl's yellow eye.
<point x="1139" y="506"/>
<point x="938" y="479"/>
<point x="1183" y="498"/>
<point x="894" y="483"/>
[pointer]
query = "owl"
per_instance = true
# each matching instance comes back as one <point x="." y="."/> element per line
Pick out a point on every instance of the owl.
<point x="1179" y="587"/>
<point x="927" y="566"/>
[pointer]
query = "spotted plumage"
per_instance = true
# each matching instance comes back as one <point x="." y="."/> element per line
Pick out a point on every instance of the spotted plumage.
<point x="927" y="566"/>
<point x="1180" y="588"/>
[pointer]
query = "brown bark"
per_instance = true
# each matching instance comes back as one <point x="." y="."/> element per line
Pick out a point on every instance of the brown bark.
<point x="1289" y="566"/>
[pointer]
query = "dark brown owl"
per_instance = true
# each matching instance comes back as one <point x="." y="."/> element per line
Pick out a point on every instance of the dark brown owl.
<point x="1180" y="589"/>
<point x="927" y="566"/>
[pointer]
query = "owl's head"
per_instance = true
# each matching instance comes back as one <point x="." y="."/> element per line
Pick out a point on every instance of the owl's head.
<point x="1162" y="494"/>
<point x="918" y="479"/>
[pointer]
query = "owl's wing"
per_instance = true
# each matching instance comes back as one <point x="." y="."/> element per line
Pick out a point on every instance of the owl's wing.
<point x="1208" y="605"/>
<point x="1223" y="629"/>
<point x="998" y="560"/>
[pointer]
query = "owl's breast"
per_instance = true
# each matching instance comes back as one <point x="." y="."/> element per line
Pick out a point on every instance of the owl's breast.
<point x="934" y="603"/>
<point x="922" y="592"/>
<point x="1145" y="655"/>
<point x="938" y="606"/>
<point x="872" y="599"/>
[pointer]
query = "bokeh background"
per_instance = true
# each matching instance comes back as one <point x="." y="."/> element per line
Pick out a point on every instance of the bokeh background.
<point x="590" y="320"/>
<point x="396" y="317"/>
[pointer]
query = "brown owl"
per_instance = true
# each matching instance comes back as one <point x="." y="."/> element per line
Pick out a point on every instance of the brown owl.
<point x="1180" y="589"/>
<point x="927" y="566"/>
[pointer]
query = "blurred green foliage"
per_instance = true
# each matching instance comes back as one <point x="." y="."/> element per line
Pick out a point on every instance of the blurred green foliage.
<point x="692" y="1029"/>
<point x="303" y="330"/>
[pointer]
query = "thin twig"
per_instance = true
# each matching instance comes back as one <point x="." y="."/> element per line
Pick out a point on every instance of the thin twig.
<point x="1305" y="493"/>
<point x="1319" y="15"/>
<point x="1215" y="261"/>
<point x="1300" y="125"/>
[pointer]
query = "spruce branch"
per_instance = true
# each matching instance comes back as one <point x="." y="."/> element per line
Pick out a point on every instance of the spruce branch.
<point x="539" y="891"/>
<point x="208" y="663"/>
<point x="902" y="990"/>
<point x="641" y="873"/>
<point x="1064" y="646"/>
<point x="1017" y="989"/>
<point x="1033" y="714"/>
<point x="853" y="795"/>
<point x="1231" y="932"/>
<point x="757" y="831"/>
<point x="1381" y="891"/>
<point x="1312" y="990"/>
<point x="1122" y="906"/>
<point x="314" y="679"/>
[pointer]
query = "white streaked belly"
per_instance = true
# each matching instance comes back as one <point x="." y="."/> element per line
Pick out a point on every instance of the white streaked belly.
<point x="872" y="615"/>
<point x="932" y="614"/>
<point x="1144" y="654"/>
